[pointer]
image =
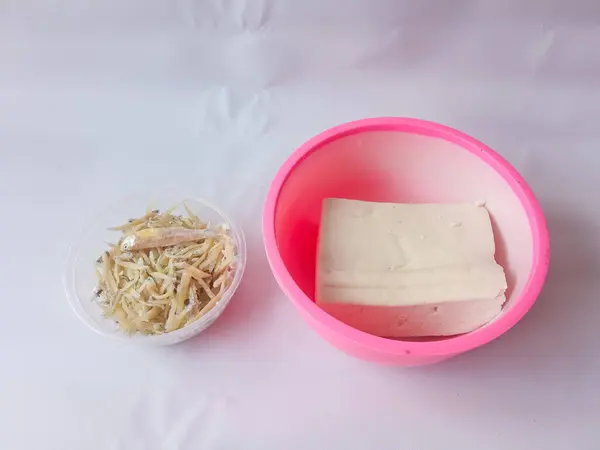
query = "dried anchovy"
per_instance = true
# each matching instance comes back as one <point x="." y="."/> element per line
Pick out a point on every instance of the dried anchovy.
<point x="171" y="286"/>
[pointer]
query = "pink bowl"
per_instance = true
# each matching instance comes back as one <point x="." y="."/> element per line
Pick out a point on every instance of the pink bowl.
<point x="406" y="161"/>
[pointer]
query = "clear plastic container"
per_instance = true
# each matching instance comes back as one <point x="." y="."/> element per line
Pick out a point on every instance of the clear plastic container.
<point x="80" y="279"/>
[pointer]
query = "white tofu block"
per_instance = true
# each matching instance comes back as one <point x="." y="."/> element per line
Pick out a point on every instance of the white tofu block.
<point x="408" y="270"/>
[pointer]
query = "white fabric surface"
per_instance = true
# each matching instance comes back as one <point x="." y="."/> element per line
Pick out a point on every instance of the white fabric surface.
<point x="102" y="98"/>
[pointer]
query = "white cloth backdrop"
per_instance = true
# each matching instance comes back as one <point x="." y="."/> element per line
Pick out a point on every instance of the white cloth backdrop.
<point x="103" y="98"/>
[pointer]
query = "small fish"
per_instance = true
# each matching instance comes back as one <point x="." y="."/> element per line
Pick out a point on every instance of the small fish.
<point x="162" y="237"/>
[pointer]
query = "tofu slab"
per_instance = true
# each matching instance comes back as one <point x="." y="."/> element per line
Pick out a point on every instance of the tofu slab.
<point x="408" y="270"/>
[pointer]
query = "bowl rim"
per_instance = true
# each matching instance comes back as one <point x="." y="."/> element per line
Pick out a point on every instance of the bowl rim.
<point x="445" y="347"/>
<point x="173" y="337"/>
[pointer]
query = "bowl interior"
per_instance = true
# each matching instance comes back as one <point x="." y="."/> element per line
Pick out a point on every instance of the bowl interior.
<point x="80" y="280"/>
<point x="391" y="166"/>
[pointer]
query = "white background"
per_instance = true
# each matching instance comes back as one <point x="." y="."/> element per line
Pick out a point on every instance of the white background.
<point x="103" y="98"/>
